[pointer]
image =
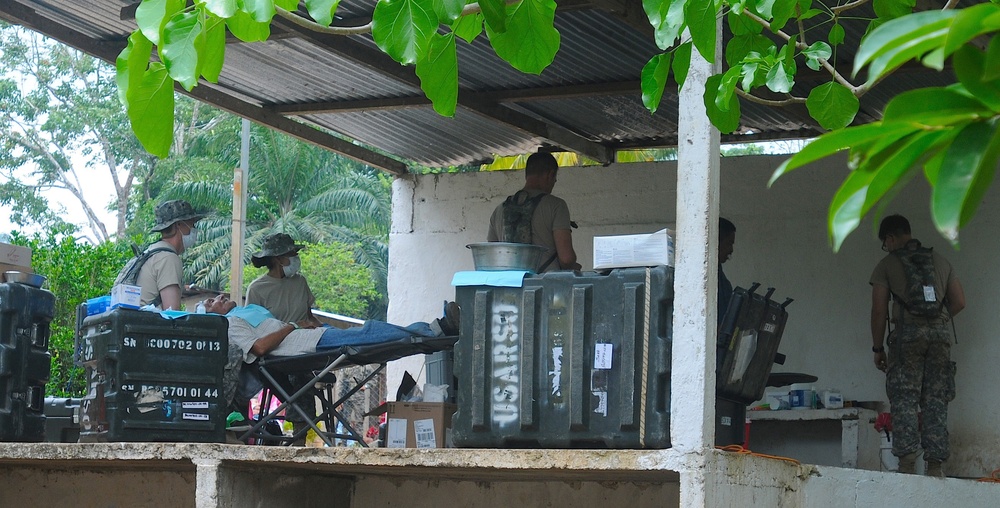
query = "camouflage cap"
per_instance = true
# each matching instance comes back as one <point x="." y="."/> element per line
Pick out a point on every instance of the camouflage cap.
<point x="170" y="212"/>
<point x="278" y="244"/>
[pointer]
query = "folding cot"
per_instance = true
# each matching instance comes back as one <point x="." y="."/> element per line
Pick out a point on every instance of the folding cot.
<point x="274" y="371"/>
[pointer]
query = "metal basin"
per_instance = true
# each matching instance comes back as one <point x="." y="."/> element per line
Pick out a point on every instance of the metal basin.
<point x="30" y="279"/>
<point x="495" y="256"/>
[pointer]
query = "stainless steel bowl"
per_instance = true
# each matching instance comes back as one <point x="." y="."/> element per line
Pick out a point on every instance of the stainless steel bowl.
<point x="495" y="256"/>
<point x="30" y="279"/>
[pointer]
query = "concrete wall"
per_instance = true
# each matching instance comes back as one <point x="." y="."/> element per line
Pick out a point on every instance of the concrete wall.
<point x="781" y="242"/>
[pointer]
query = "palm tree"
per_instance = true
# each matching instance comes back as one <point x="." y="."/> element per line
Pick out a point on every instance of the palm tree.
<point x="296" y="188"/>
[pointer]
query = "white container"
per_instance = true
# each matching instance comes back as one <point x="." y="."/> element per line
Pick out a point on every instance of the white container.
<point x="126" y="296"/>
<point x="801" y="396"/>
<point x="831" y="399"/>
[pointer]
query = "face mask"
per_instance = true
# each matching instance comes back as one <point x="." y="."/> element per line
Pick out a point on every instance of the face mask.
<point x="190" y="239"/>
<point x="294" y="263"/>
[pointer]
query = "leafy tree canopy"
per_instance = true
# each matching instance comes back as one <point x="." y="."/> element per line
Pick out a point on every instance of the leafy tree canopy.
<point x="772" y="40"/>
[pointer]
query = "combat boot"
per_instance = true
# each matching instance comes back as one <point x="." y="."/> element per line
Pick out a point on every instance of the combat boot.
<point x="934" y="468"/>
<point x="908" y="463"/>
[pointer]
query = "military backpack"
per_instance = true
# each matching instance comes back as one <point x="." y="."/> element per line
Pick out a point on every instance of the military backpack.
<point x="922" y="295"/>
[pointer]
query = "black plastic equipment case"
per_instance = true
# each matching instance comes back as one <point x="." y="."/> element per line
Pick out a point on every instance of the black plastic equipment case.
<point x="568" y="360"/>
<point x="151" y="378"/>
<point x="62" y="420"/>
<point x="748" y="344"/>
<point x="25" y="314"/>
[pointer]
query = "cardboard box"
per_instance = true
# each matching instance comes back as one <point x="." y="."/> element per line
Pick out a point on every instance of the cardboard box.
<point x="626" y="251"/>
<point x="16" y="256"/>
<point x="126" y="296"/>
<point x="417" y="424"/>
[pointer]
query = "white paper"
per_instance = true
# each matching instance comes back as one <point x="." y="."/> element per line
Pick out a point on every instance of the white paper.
<point x="423" y="430"/>
<point x="195" y="405"/>
<point x="929" y="295"/>
<point x="602" y="356"/>
<point x="194" y="416"/>
<point x="396" y="433"/>
<point x="634" y="250"/>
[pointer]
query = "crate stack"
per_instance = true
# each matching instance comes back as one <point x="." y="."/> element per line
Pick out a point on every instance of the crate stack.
<point x="25" y="314"/>
<point x="152" y="378"/>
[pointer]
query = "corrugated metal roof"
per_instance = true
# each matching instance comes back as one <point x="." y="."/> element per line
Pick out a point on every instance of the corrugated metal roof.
<point x="588" y="99"/>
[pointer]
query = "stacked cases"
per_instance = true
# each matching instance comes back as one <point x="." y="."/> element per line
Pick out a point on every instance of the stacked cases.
<point x="25" y="314"/>
<point x="150" y="378"/>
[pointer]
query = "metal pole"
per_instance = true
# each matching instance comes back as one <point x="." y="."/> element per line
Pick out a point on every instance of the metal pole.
<point x="240" y="175"/>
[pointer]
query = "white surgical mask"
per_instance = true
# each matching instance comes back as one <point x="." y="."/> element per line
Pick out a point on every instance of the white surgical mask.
<point x="190" y="239"/>
<point x="294" y="263"/>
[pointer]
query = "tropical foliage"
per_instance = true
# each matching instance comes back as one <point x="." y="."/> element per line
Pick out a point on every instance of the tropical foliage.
<point x="75" y="271"/>
<point x="296" y="188"/>
<point x="772" y="40"/>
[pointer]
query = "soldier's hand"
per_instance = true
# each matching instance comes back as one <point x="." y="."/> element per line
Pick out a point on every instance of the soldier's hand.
<point x="880" y="362"/>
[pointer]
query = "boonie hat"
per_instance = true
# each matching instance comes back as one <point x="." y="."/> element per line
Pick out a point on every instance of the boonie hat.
<point x="170" y="212"/>
<point x="278" y="244"/>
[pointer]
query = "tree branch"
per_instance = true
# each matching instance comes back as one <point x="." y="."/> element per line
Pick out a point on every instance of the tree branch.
<point x="768" y="102"/>
<point x="848" y="6"/>
<point x="856" y="90"/>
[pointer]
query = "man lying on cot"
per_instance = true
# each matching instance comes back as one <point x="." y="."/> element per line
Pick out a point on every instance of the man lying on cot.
<point x="258" y="333"/>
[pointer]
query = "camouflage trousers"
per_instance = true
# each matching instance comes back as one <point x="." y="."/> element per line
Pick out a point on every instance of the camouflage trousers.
<point x="920" y="378"/>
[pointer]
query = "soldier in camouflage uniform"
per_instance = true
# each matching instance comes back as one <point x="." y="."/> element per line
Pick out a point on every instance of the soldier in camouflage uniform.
<point x="920" y="376"/>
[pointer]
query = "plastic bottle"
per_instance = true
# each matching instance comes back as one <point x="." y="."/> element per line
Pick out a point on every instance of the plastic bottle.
<point x="200" y="308"/>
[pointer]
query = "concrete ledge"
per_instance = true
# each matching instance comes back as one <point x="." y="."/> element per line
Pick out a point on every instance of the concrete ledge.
<point x="216" y="475"/>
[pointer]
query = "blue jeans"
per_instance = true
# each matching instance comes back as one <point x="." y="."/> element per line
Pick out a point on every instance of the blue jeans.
<point x="373" y="332"/>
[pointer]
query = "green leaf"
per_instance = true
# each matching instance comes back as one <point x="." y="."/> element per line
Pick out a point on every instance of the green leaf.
<point x="151" y="110"/>
<point x="991" y="66"/>
<point x="967" y="170"/>
<point x="321" y="10"/>
<point x="725" y="120"/>
<point x="260" y="11"/>
<point x="667" y="19"/>
<point x="468" y="27"/>
<point x="969" y="65"/>
<point x="214" y="53"/>
<point x="244" y="28"/>
<point x="438" y="73"/>
<point x="899" y="162"/>
<point x="934" y="106"/>
<point x="131" y="64"/>
<point x="971" y="22"/>
<point x="403" y="28"/>
<point x="495" y="14"/>
<point x="836" y="36"/>
<point x="742" y="45"/>
<point x="836" y="141"/>
<point x="221" y="8"/>
<point x="448" y="10"/>
<point x="654" y="79"/>
<point x="742" y="25"/>
<point x="902" y="39"/>
<point x="832" y="105"/>
<point x="764" y="7"/>
<point x="779" y="80"/>
<point x="183" y="40"/>
<point x="152" y="14"/>
<point x="845" y="217"/>
<point x="700" y="16"/>
<point x="889" y="9"/>
<point x="815" y="53"/>
<point x="289" y="5"/>
<point x="782" y="10"/>
<point x="528" y="54"/>
<point x="681" y="64"/>
<point x="727" y="88"/>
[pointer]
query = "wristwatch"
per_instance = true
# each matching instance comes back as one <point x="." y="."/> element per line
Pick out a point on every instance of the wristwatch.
<point x="879" y="349"/>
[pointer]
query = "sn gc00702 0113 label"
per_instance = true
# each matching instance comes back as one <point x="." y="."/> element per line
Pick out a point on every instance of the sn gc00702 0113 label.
<point x="173" y="344"/>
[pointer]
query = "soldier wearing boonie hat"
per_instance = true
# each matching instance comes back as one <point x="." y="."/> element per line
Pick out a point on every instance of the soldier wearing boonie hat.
<point x="162" y="275"/>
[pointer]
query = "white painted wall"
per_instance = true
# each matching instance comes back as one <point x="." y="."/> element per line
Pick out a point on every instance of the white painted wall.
<point x="781" y="242"/>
